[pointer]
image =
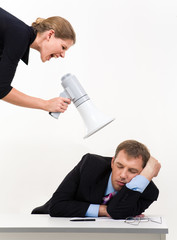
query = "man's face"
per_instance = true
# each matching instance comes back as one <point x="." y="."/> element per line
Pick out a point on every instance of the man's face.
<point x="124" y="168"/>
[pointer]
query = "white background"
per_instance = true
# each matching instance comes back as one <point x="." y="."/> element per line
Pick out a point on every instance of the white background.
<point x="126" y="59"/>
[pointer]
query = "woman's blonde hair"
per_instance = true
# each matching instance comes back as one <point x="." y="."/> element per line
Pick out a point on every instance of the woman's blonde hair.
<point x="61" y="26"/>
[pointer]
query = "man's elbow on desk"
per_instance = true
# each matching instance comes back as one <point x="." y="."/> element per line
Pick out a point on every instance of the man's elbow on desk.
<point x="53" y="213"/>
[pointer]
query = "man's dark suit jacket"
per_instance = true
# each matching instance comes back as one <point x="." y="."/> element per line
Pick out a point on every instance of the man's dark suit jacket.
<point x="86" y="184"/>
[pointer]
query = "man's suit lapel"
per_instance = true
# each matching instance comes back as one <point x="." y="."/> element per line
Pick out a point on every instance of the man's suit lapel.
<point x="98" y="190"/>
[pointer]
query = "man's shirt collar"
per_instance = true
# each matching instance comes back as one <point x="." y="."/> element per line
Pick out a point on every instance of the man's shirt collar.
<point x="109" y="188"/>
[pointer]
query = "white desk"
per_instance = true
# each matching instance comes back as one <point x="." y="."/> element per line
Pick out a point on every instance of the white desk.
<point x="43" y="227"/>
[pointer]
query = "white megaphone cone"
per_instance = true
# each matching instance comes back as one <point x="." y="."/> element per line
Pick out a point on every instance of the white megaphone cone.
<point x="94" y="119"/>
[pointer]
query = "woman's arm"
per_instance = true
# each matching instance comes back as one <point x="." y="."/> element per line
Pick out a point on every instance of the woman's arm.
<point x="58" y="104"/>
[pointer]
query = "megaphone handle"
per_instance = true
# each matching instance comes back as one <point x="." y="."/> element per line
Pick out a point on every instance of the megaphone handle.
<point x="56" y="114"/>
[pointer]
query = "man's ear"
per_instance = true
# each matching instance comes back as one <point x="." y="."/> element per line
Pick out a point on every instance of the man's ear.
<point x="112" y="162"/>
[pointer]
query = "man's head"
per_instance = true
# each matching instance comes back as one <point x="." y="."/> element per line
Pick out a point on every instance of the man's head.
<point x="129" y="160"/>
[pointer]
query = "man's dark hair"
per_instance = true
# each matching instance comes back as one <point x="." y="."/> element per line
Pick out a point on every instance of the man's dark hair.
<point x="134" y="149"/>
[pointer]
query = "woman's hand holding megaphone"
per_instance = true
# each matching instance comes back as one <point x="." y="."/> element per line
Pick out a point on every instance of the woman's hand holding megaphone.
<point x="60" y="105"/>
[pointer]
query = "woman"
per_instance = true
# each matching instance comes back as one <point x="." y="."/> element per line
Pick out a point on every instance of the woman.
<point x="51" y="37"/>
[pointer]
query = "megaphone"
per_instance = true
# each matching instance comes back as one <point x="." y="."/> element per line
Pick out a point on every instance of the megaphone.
<point x="94" y="119"/>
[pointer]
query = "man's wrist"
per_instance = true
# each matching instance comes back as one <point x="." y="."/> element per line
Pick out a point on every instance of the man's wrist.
<point x="93" y="210"/>
<point x="147" y="173"/>
<point x="103" y="211"/>
<point x="138" y="183"/>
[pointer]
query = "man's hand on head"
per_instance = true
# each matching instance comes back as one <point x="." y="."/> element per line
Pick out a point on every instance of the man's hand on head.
<point x="151" y="169"/>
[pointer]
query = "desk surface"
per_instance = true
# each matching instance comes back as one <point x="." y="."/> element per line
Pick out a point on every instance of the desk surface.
<point x="45" y="223"/>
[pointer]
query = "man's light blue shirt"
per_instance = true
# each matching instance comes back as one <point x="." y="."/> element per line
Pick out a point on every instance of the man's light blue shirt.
<point x="138" y="183"/>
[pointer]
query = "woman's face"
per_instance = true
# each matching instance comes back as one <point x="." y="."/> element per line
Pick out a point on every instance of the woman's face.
<point x="54" y="47"/>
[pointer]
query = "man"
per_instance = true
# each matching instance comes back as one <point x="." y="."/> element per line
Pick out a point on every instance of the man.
<point x="127" y="176"/>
